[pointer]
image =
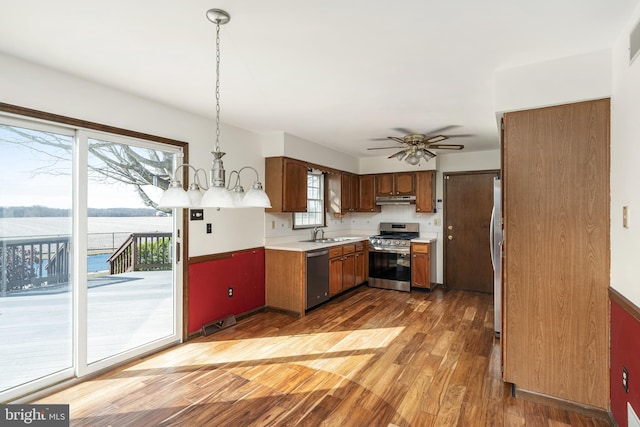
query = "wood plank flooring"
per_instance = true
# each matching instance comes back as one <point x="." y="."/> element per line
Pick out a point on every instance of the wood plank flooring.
<point x="372" y="357"/>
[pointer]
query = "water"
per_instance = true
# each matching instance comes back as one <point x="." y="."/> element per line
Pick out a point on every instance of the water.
<point x="97" y="263"/>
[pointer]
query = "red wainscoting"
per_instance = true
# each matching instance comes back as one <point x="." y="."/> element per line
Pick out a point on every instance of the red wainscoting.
<point x="209" y="282"/>
<point x="625" y="351"/>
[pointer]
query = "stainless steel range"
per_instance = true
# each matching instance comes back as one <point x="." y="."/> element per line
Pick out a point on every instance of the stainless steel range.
<point x="390" y="256"/>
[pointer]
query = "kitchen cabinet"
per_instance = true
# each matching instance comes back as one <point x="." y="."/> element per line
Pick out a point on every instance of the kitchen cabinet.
<point x="420" y="265"/>
<point x="425" y="191"/>
<point x="367" y="194"/>
<point x="335" y="270"/>
<point x="349" y="192"/>
<point x="556" y="251"/>
<point x="286" y="184"/>
<point x="396" y="184"/>
<point x="361" y="260"/>
<point x="348" y="267"/>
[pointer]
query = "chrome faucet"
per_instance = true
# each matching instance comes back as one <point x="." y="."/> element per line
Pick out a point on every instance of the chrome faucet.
<point x="315" y="233"/>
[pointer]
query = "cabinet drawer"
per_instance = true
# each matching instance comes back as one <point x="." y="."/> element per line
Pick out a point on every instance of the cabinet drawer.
<point x="422" y="248"/>
<point x="348" y="249"/>
<point x="359" y="246"/>
<point x="335" y="251"/>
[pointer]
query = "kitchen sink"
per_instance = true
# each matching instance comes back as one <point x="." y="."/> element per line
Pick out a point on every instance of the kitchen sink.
<point x="330" y="240"/>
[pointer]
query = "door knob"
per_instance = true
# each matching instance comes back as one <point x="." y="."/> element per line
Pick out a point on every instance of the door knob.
<point x="450" y="227"/>
<point x="450" y="237"/>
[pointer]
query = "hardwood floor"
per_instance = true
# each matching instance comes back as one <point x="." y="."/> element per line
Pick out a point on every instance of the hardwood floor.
<point x="372" y="357"/>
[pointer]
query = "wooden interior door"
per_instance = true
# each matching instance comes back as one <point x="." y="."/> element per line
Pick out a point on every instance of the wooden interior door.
<point x="468" y="200"/>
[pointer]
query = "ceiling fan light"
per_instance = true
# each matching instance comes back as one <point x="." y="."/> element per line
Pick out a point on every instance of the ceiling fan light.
<point x="413" y="159"/>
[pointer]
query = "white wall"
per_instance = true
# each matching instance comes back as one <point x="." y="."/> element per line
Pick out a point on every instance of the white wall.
<point x="625" y="173"/>
<point x="560" y="81"/>
<point x="32" y="86"/>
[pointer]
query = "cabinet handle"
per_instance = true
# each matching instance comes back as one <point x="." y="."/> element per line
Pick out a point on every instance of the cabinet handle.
<point x="417" y="209"/>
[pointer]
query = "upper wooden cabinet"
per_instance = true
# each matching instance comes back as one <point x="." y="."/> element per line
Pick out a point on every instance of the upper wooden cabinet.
<point x="396" y="184"/>
<point x="286" y="184"/>
<point x="425" y="191"/>
<point x="367" y="194"/>
<point x="349" y="192"/>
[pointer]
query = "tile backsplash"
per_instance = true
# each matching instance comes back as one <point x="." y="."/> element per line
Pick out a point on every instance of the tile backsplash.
<point x="278" y="227"/>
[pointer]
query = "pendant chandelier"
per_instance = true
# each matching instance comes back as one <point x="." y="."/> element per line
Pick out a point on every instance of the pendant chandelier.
<point x="218" y="194"/>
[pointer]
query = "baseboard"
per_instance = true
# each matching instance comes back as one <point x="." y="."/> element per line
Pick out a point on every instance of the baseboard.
<point x="239" y="317"/>
<point x="556" y="402"/>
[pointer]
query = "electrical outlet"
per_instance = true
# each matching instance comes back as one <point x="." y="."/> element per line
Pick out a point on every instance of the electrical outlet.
<point x="209" y="228"/>
<point x="230" y="292"/>
<point x="625" y="216"/>
<point x="625" y="379"/>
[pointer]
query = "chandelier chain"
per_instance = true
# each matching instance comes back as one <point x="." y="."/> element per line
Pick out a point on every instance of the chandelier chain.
<point x="218" y="85"/>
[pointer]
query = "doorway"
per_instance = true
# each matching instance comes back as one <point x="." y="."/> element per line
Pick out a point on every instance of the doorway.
<point x="468" y="200"/>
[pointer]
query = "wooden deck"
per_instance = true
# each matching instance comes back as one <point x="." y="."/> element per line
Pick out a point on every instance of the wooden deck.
<point x="371" y="357"/>
<point x="124" y="311"/>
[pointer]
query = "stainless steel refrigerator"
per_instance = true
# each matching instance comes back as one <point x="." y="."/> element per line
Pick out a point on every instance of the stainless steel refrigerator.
<point x="496" y="240"/>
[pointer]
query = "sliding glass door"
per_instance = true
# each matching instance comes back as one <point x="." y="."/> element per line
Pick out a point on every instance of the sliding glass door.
<point x="130" y="297"/>
<point x="88" y="266"/>
<point x="36" y="289"/>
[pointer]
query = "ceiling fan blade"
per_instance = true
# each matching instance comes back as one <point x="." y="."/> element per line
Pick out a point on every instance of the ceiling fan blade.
<point x="431" y="154"/>
<point x="442" y="129"/>
<point x="399" y="155"/>
<point x="382" y="148"/>
<point x="446" y="146"/>
<point x="378" y="139"/>
<point x="395" y="138"/>
<point x="436" y="138"/>
<point x="460" y="135"/>
<point x="403" y="130"/>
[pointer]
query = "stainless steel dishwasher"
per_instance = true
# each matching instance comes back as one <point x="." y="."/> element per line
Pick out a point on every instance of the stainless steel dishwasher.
<point x="317" y="277"/>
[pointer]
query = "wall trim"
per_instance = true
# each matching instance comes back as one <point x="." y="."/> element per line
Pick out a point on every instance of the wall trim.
<point x="624" y="303"/>
<point x="218" y="256"/>
<point x="556" y="402"/>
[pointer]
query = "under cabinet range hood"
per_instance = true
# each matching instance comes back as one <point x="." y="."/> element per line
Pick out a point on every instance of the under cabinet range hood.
<point x="396" y="200"/>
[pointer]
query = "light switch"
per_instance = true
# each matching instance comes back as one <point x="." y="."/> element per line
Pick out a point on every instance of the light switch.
<point x="625" y="216"/>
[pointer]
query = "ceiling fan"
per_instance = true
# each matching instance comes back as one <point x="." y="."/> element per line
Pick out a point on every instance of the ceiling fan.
<point x="419" y="145"/>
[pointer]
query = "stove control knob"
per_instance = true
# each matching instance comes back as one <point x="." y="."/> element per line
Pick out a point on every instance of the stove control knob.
<point x="403" y="243"/>
<point x="397" y="242"/>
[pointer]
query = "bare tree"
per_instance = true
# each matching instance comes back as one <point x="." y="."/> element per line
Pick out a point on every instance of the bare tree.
<point x="109" y="162"/>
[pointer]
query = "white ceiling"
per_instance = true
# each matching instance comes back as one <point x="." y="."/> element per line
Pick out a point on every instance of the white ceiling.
<point x="338" y="73"/>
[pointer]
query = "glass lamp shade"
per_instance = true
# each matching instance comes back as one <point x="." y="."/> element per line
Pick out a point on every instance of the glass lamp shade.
<point x="195" y="195"/>
<point x="175" y="197"/>
<point x="238" y="197"/>
<point x="412" y="159"/>
<point x="217" y="197"/>
<point x="256" y="198"/>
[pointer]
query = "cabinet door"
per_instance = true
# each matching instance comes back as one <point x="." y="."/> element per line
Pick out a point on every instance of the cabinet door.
<point x="353" y="191"/>
<point x="367" y="194"/>
<point x="294" y="186"/>
<point x="384" y="184"/>
<point x="335" y="276"/>
<point x="420" y="271"/>
<point x="425" y="185"/>
<point x="349" y="271"/>
<point x="405" y="184"/>
<point x="349" y="192"/>
<point x="361" y="275"/>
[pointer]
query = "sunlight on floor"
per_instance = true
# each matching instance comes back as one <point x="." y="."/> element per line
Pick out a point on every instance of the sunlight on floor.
<point x="288" y="348"/>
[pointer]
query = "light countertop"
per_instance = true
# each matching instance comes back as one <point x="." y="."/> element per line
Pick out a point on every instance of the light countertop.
<point x="310" y="246"/>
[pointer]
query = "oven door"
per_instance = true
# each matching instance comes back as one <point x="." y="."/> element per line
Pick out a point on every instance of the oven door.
<point x="390" y="268"/>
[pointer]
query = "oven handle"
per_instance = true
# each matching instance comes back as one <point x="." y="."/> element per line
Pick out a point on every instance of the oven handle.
<point x="389" y="250"/>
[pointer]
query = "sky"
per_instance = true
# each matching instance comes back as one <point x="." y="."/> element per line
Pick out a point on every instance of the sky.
<point x="30" y="177"/>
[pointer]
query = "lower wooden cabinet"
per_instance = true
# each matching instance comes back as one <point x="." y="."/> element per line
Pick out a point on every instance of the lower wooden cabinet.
<point x="347" y="267"/>
<point x="335" y="270"/>
<point x="420" y="265"/>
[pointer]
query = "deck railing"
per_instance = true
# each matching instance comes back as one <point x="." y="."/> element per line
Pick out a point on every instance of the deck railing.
<point x="142" y="252"/>
<point x="33" y="262"/>
<point x="42" y="261"/>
